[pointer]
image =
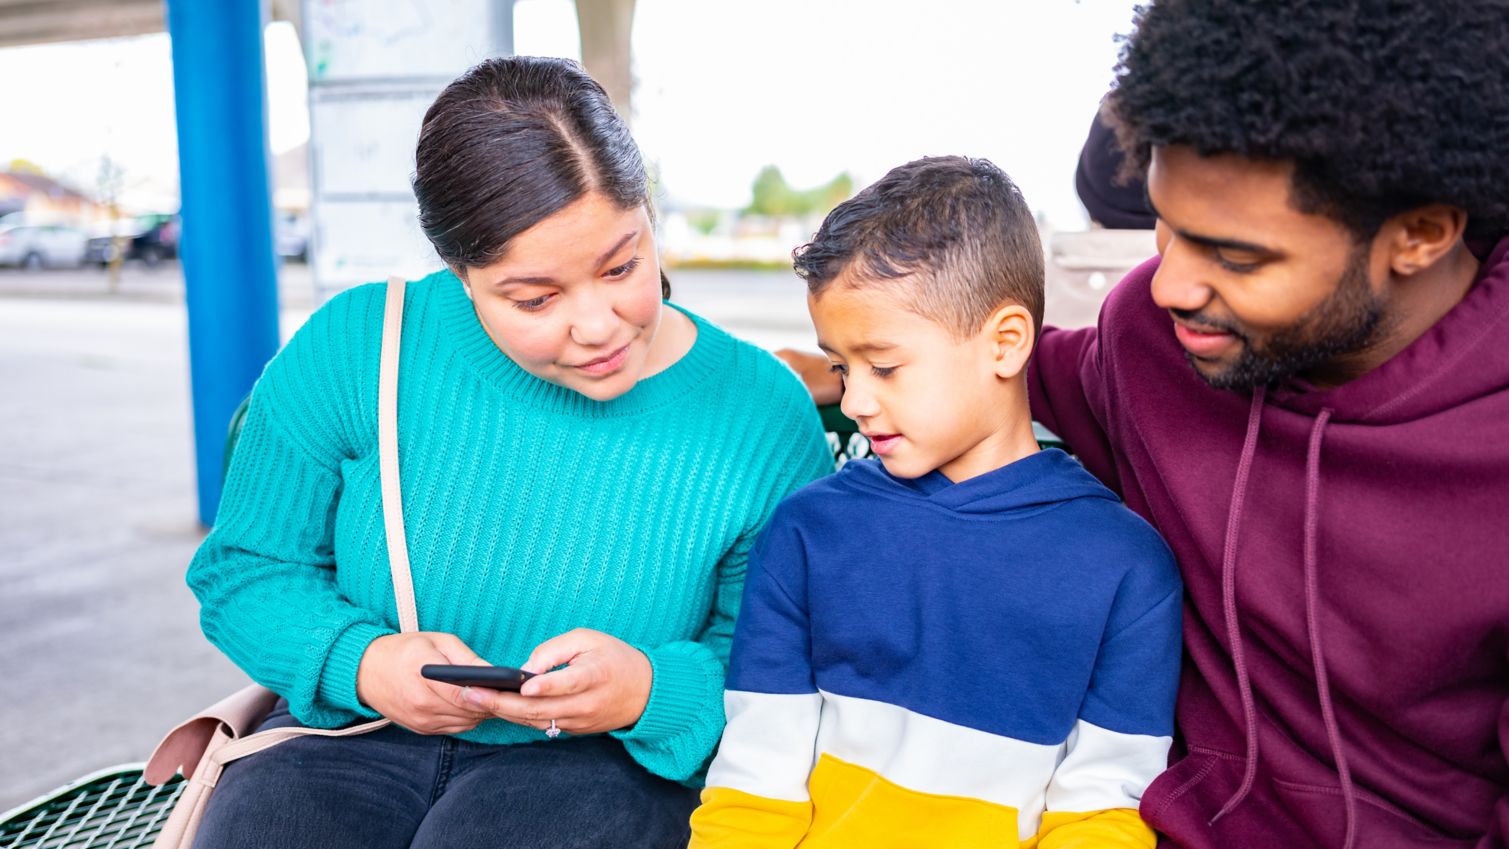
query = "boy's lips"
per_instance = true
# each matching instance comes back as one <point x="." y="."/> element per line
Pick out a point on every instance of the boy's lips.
<point x="882" y="443"/>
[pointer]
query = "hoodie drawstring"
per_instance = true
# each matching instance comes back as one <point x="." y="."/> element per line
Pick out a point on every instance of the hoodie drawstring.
<point x="1229" y="599"/>
<point x="1312" y="613"/>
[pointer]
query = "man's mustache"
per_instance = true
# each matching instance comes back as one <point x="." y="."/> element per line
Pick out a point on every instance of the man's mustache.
<point x="1200" y="321"/>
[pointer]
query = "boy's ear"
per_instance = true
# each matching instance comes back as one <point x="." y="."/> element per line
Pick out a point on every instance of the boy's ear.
<point x="1010" y="336"/>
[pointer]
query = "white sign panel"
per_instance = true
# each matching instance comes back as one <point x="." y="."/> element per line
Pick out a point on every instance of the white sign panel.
<point x="367" y="241"/>
<point x="364" y="142"/>
<point x="375" y="66"/>
<point x="359" y="40"/>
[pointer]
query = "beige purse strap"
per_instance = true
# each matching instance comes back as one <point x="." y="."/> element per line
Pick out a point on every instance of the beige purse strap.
<point x="387" y="455"/>
<point x="392" y="508"/>
<point x="391" y="516"/>
<point x="205" y="743"/>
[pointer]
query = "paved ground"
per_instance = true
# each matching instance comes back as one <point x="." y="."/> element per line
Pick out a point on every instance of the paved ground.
<point x="100" y="650"/>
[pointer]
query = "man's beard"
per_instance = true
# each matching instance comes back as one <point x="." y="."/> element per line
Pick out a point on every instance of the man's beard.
<point x="1348" y="320"/>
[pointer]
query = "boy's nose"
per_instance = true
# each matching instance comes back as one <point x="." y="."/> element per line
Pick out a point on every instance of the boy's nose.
<point x="856" y="403"/>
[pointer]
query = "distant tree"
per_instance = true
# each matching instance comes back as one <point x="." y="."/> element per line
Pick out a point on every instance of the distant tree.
<point x="108" y="182"/>
<point x="107" y="187"/>
<point x="25" y="166"/>
<point x="838" y="190"/>
<point x="704" y="221"/>
<point x="771" y="195"/>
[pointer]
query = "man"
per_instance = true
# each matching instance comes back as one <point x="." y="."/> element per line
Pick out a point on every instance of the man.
<point x="1308" y="395"/>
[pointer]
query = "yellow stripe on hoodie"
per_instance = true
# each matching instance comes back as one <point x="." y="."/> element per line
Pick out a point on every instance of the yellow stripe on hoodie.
<point x="856" y="808"/>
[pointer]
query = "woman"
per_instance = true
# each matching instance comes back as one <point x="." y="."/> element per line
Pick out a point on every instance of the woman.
<point x="584" y="468"/>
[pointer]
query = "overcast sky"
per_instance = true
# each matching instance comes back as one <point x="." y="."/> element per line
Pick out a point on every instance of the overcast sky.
<point x="813" y="86"/>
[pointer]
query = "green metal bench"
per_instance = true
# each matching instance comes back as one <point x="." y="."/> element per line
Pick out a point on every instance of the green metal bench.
<point x="111" y="808"/>
<point x="117" y="808"/>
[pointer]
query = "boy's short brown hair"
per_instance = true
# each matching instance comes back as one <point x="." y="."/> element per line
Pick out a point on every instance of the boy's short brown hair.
<point x="958" y="227"/>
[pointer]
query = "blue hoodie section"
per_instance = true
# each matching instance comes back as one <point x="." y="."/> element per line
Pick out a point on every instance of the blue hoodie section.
<point x="1014" y="602"/>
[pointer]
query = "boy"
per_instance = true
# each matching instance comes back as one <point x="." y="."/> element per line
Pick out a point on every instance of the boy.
<point x="970" y="642"/>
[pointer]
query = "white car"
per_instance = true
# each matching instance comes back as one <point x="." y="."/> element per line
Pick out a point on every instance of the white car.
<point x="33" y="246"/>
<point x="290" y="233"/>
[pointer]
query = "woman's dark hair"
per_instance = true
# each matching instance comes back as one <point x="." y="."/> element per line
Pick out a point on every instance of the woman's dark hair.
<point x="1381" y="105"/>
<point x="510" y="143"/>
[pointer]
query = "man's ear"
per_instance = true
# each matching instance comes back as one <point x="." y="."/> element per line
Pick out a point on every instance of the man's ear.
<point x="1010" y="336"/>
<point x="1417" y="238"/>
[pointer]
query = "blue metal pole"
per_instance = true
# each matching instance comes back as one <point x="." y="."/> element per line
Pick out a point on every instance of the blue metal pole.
<point x="226" y="247"/>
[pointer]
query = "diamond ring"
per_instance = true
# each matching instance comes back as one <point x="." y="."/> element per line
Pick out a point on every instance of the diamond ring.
<point x="552" y="732"/>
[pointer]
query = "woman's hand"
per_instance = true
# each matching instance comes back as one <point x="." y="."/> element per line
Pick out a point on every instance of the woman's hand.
<point x="388" y="681"/>
<point x="815" y="371"/>
<point x="604" y="687"/>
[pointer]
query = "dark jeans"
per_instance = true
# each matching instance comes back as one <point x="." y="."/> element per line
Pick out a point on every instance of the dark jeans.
<point x="394" y="788"/>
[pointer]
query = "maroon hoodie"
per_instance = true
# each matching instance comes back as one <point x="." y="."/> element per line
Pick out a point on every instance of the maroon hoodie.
<point x="1346" y="559"/>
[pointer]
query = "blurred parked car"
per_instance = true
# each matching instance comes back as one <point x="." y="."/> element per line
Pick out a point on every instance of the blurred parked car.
<point x="35" y="245"/>
<point x="157" y="241"/>
<point x="101" y="249"/>
<point x="290" y="235"/>
<point x="149" y="238"/>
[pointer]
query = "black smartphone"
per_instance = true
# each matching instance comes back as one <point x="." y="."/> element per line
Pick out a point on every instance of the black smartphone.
<point x="491" y="677"/>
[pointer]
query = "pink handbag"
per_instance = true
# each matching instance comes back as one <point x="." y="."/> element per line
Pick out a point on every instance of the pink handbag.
<point x="202" y="745"/>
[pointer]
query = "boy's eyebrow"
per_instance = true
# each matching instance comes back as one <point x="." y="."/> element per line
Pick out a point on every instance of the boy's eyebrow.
<point x="861" y="348"/>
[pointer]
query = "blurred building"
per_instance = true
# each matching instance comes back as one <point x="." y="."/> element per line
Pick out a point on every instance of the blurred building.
<point x="25" y="22"/>
<point x="44" y="199"/>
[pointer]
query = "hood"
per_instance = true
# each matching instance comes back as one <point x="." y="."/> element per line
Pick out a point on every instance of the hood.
<point x="1460" y="359"/>
<point x="1045" y="478"/>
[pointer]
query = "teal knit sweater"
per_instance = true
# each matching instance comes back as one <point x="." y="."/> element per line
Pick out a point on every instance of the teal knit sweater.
<point x="530" y="510"/>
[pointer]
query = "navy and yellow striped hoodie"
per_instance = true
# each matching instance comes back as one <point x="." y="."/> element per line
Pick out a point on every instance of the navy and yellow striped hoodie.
<point x="926" y="663"/>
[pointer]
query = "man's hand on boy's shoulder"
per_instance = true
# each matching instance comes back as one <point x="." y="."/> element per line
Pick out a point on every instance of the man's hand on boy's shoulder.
<point x="824" y="384"/>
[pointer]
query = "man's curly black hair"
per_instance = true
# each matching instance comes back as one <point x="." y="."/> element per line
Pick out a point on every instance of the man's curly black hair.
<point x="1382" y="105"/>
